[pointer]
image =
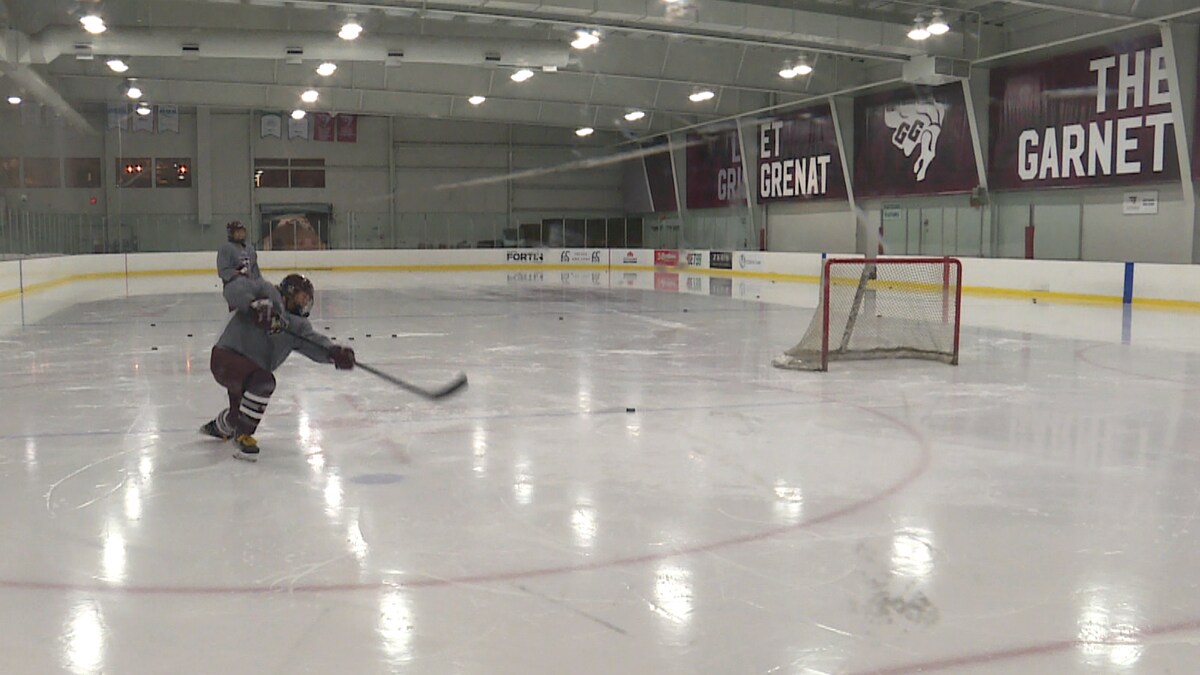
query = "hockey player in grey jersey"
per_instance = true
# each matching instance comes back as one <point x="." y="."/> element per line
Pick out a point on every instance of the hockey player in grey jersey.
<point x="267" y="325"/>
<point x="236" y="259"/>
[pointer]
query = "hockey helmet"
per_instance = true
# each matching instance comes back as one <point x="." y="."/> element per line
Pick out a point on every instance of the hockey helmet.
<point x="290" y="287"/>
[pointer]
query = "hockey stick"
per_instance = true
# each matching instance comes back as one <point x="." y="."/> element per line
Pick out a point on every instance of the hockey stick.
<point x="453" y="387"/>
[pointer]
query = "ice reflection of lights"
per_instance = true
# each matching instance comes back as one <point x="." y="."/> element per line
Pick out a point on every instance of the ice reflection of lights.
<point x="30" y="453"/>
<point x="912" y="553"/>
<point x="673" y="593"/>
<point x="1108" y="636"/>
<point x="479" y="440"/>
<point x="789" y="502"/>
<point x="583" y="521"/>
<point x="317" y="462"/>
<point x="396" y="627"/>
<point x="133" y="501"/>
<point x="354" y="537"/>
<point x="114" y="556"/>
<point x="333" y="494"/>
<point x="523" y="483"/>
<point x="84" y="638"/>
<point x="308" y="435"/>
<point x="145" y="466"/>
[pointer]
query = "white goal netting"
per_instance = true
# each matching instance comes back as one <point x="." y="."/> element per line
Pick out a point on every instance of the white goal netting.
<point x="882" y="308"/>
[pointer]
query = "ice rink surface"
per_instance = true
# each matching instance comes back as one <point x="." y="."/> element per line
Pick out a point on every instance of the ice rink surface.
<point x="1032" y="510"/>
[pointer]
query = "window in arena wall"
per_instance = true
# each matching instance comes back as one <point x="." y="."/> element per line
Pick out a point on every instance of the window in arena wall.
<point x="43" y="172"/>
<point x="83" y="172"/>
<point x="134" y="172"/>
<point x="173" y="172"/>
<point x="294" y="173"/>
<point x="10" y="172"/>
<point x="308" y="173"/>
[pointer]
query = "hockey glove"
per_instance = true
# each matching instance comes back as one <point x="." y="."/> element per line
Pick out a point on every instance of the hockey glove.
<point x="265" y="316"/>
<point x="342" y="357"/>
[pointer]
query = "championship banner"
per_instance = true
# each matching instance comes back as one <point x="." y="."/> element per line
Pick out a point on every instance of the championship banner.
<point x="118" y="116"/>
<point x="1093" y="118"/>
<point x="298" y="128"/>
<point x="347" y="128"/>
<point x="798" y="158"/>
<point x="914" y="141"/>
<point x="168" y="119"/>
<point x="271" y="125"/>
<point x="144" y="122"/>
<point x="716" y="176"/>
<point x="323" y="127"/>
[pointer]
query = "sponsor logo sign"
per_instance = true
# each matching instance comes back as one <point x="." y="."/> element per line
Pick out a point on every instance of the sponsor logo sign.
<point x="525" y="256"/>
<point x="667" y="258"/>
<point x="666" y="281"/>
<point x="750" y="261"/>
<point x="630" y="258"/>
<point x="720" y="260"/>
<point x="695" y="259"/>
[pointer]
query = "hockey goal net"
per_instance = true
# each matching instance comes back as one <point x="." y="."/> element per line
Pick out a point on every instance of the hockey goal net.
<point x="882" y="308"/>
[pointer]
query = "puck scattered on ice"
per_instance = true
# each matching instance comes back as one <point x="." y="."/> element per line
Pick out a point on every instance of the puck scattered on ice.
<point x="153" y="325"/>
<point x="1035" y="301"/>
<point x="326" y="327"/>
<point x="189" y="335"/>
<point x="154" y="349"/>
<point x="631" y="410"/>
<point x="393" y="335"/>
<point x="350" y="339"/>
<point x="685" y="309"/>
<point x="560" y="318"/>
<point x="368" y="335"/>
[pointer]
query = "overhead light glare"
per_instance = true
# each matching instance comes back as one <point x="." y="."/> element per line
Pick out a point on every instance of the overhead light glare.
<point x="93" y="24"/>
<point x="521" y="75"/>
<point x="310" y="96"/>
<point x="584" y="131"/>
<point x="702" y="95"/>
<point x="938" y="25"/>
<point x="326" y="69"/>
<point x="14" y="100"/>
<point x="476" y="100"/>
<point x="634" y="115"/>
<point x="788" y="73"/>
<point x="298" y="114"/>
<point x="585" y="39"/>
<point x="918" y="32"/>
<point x="143" y="109"/>
<point x="117" y="65"/>
<point x="350" y="30"/>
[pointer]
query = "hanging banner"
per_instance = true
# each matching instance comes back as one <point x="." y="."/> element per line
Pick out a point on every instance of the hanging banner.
<point x="271" y="126"/>
<point x="914" y="141"/>
<point x="144" y="122"/>
<point x="798" y="158"/>
<point x="168" y="119"/>
<point x="660" y="176"/>
<point x="118" y="116"/>
<point x="1100" y="117"/>
<point x="322" y="127"/>
<point x="298" y="128"/>
<point x="716" y="176"/>
<point x="347" y="128"/>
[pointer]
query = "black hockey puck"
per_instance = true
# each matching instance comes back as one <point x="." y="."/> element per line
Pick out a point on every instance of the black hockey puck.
<point x="628" y="410"/>
<point x="685" y="309"/>
<point x="393" y="335"/>
<point x="154" y="349"/>
<point x="350" y="339"/>
<point x="368" y="335"/>
<point x="153" y="325"/>
<point x="560" y="318"/>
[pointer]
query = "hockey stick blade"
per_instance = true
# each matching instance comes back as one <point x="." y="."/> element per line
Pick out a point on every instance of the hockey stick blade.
<point x="457" y="384"/>
<point x="453" y="387"/>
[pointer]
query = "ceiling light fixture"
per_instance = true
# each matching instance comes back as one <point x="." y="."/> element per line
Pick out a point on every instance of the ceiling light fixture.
<point x="326" y="69"/>
<point x="938" y="25"/>
<point x="351" y="29"/>
<point x="117" y="65"/>
<point x="919" y="32"/>
<point x="788" y="73"/>
<point x="585" y="39"/>
<point x="521" y="75"/>
<point x="93" y="24"/>
<point x="634" y="115"/>
<point x="584" y="131"/>
<point x="298" y="114"/>
<point x="132" y="90"/>
<point x="701" y="95"/>
<point x="310" y="96"/>
<point x="143" y="109"/>
<point x="476" y="100"/>
<point x="14" y="100"/>
<point x="802" y="68"/>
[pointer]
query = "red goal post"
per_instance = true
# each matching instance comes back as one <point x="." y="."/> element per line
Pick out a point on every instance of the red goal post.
<point x="882" y="308"/>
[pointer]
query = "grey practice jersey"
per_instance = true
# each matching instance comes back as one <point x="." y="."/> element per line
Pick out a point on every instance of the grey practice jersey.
<point x="233" y="256"/>
<point x="244" y="336"/>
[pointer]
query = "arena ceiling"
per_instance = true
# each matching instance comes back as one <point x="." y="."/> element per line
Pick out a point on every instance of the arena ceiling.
<point x="427" y="58"/>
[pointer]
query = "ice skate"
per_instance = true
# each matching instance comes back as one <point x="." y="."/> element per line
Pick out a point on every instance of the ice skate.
<point x="247" y="448"/>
